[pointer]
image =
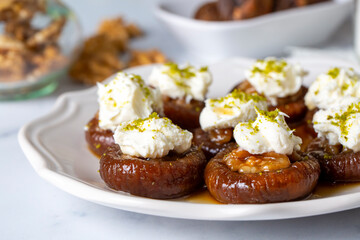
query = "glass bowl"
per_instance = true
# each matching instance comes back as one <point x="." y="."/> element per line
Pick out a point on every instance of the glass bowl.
<point x="38" y="41"/>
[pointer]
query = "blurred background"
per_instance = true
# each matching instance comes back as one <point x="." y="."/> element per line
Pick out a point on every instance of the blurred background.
<point x="84" y="42"/>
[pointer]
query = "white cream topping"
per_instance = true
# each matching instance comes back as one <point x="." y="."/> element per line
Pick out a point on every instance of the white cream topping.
<point x="228" y="111"/>
<point x="152" y="137"/>
<point x="275" y="78"/>
<point x="335" y="88"/>
<point x="176" y="82"/>
<point x="126" y="98"/>
<point x="340" y="125"/>
<point x="269" y="132"/>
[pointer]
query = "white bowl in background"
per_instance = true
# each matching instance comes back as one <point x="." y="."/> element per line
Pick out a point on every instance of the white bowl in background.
<point x="258" y="37"/>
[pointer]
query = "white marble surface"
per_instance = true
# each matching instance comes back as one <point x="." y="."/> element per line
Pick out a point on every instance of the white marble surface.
<point x="31" y="208"/>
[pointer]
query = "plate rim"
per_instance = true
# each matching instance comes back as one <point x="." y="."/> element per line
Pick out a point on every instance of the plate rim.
<point x="230" y="212"/>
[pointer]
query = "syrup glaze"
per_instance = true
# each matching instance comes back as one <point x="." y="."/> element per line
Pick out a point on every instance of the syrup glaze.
<point x="322" y="190"/>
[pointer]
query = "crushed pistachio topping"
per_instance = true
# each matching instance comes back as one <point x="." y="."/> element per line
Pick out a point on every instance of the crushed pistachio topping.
<point x="145" y="89"/>
<point x="174" y="70"/>
<point x="238" y="95"/>
<point x="203" y="69"/>
<point x="272" y="65"/>
<point x="270" y="115"/>
<point x="141" y="124"/>
<point x="135" y="78"/>
<point x="340" y="119"/>
<point x="180" y="75"/>
<point x="138" y="124"/>
<point x="345" y="87"/>
<point x="334" y="72"/>
<point x="269" y="132"/>
<point x="255" y="129"/>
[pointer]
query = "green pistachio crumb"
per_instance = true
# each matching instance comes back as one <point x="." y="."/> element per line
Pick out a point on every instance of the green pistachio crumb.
<point x="145" y="89"/>
<point x="270" y="115"/>
<point x="236" y="94"/>
<point x="203" y="69"/>
<point x="138" y="124"/>
<point x="175" y="70"/>
<point x="334" y="72"/>
<point x="273" y="65"/>
<point x="340" y="119"/>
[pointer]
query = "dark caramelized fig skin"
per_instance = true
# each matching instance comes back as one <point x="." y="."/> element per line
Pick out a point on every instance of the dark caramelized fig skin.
<point x="182" y="113"/>
<point x="209" y="147"/>
<point x="309" y="124"/>
<point x="97" y="138"/>
<point x="172" y="176"/>
<point x="303" y="132"/>
<point x="294" y="182"/>
<point x="338" y="164"/>
<point x="294" y="106"/>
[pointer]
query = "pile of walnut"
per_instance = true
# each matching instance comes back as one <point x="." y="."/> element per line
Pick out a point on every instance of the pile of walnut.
<point x="27" y="52"/>
<point x="100" y="55"/>
<point x="226" y="10"/>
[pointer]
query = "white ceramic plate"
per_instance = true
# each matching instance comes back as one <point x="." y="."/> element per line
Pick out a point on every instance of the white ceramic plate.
<point x="56" y="148"/>
<point x="257" y="37"/>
